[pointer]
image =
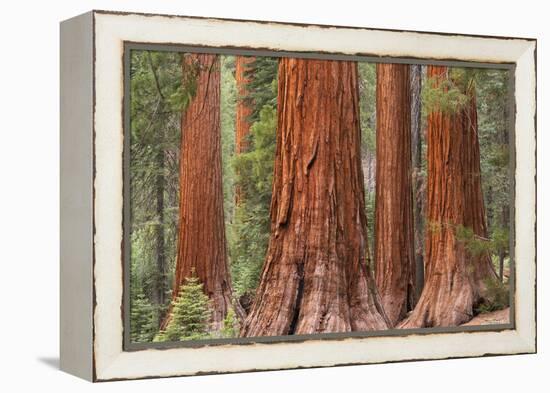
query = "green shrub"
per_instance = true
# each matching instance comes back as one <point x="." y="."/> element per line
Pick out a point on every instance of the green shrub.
<point x="190" y="315"/>
<point x="230" y="327"/>
<point x="143" y="319"/>
<point x="497" y="297"/>
<point x="249" y="231"/>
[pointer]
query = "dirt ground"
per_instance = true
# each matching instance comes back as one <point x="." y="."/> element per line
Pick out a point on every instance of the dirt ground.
<point x="490" y="318"/>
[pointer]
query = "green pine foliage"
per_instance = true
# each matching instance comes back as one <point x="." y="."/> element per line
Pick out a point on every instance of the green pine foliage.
<point x="143" y="319"/>
<point x="230" y="327"/>
<point x="475" y="244"/>
<point x="367" y="100"/>
<point x="493" y="116"/>
<point x="159" y="92"/>
<point x="262" y="88"/>
<point x="497" y="297"/>
<point x="250" y="228"/>
<point x="447" y="94"/>
<point x="190" y="315"/>
<point x="493" y="111"/>
<point x="367" y="97"/>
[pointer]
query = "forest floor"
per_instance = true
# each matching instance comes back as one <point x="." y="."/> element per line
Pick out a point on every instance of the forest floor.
<point x="490" y="318"/>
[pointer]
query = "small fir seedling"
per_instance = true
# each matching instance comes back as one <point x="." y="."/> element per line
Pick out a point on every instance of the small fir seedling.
<point x="191" y="313"/>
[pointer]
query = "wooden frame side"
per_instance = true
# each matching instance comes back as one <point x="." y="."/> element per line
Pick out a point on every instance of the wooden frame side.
<point x="76" y="196"/>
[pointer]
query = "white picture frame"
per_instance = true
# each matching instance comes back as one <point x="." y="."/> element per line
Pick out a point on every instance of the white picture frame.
<point x="92" y="145"/>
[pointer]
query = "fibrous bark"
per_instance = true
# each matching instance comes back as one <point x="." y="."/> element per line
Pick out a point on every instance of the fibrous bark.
<point x="315" y="277"/>
<point x="454" y="276"/>
<point x="201" y="235"/>
<point x="394" y="242"/>
<point x="243" y="112"/>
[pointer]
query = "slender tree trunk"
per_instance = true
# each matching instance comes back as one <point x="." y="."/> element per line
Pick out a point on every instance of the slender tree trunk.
<point x="201" y="236"/>
<point x="501" y="257"/>
<point x="419" y="193"/>
<point x="505" y="213"/>
<point x="159" y="283"/>
<point x="394" y="243"/>
<point x="369" y="167"/>
<point x="505" y="223"/>
<point x="315" y="277"/>
<point x="489" y="213"/>
<point x="454" y="276"/>
<point x="160" y="289"/>
<point x="243" y="112"/>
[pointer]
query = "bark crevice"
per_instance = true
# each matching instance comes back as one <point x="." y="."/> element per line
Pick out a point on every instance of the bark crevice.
<point x="315" y="278"/>
<point x="201" y="213"/>
<point x="455" y="276"/>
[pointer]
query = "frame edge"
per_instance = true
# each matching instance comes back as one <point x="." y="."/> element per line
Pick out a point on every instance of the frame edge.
<point x="76" y="198"/>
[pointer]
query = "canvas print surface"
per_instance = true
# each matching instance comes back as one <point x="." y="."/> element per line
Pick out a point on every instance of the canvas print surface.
<point x="280" y="196"/>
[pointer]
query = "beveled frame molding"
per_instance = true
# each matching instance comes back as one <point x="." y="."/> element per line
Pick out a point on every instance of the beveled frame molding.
<point x="92" y="274"/>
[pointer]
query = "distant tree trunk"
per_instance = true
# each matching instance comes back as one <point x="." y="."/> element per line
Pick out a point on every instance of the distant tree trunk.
<point x="489" y="200"/>
<point x="315" y="277"/>
<point x="418" y="179"/>
<point x="159" y="280"/>
<point x="243" y="112"/>
<point x="505" y="212"/>
<point x="160" y="289"/>
<point x="369" y="169"/>
<point x="394" y="242"/>
<point x="505" y="223"/>
<point x="201" y="235"/>
<point x="454" y="276"/>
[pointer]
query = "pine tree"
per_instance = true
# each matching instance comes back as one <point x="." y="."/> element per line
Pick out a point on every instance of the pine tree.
<point x="251" y="225"/>
<point x="155" y="109"/>
<point x="262" y="88"/>
<point x="493" y="107"/>
<point x="249" y="230"/>
<point x="191" y="313"/>
<point x="201" y="234"/>
<point x="143" y="319"/>
<point x="230" y="327"/>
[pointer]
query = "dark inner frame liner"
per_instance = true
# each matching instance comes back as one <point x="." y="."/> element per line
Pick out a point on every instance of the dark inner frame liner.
<point x="126" y="248"/>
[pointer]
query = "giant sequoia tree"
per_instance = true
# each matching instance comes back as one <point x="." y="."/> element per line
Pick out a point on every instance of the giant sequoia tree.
<point x="201" y="237"/>
<point x="456" y="272"/>
<point x="315" y="277"/>
<point x="394" y="241"/>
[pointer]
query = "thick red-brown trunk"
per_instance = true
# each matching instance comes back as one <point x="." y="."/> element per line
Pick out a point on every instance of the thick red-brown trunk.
<point x="201" y="237"/>
<point x="315" y="277"/>
<point x="394" y="243"/>
<point x="243" y="112"/>
<point x="454" y="276"/>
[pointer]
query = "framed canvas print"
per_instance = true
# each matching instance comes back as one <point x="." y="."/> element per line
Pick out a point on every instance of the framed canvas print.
<point x="246" y="195"/>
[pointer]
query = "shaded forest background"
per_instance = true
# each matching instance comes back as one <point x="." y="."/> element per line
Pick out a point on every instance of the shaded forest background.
<point x="161" y="89"/>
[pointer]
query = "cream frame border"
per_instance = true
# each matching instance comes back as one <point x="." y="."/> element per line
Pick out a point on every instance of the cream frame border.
<point x="111" y="30"/>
